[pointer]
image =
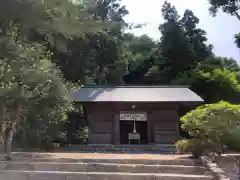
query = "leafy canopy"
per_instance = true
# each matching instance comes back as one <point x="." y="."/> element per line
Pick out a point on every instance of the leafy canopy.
<point x="212" y="120"/>
<point x="47" y="17"/>
<point x="29" y="81"/>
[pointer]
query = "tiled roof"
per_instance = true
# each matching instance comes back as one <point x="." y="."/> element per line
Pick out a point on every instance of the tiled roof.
<point x="135" y="94"/>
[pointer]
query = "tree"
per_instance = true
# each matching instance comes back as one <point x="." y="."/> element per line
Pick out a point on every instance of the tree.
<point x="99" y="60"/>
<point x="210" y="64"/>
<point x="30" y="84"/>
<point x="176" y="49"/>
<point x="231" y="7"/>
<point x="181" y="48"/>
<point x="93" y="56"/>
<point x="46" y="17"/>
<point x="238" y="76"/>
<point x="140" y="47"/>
<point x="221" y="84"/>
<point x="138" y="71"/>
<point x="228" y="6"/>
<point x="196" y="36"/>
<point x="237" y="40"/>
<point x="108" y="10"/>
<point x="52" y="23"/>
<point x="211" y="122"/>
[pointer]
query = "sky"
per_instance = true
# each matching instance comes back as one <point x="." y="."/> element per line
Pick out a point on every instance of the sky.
<point x="220" y="30"/>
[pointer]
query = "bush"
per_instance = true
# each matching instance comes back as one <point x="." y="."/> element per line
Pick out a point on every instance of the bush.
<point x="82" y="135"/>
<point x="182" y="146"/>
<point x="211" y="122"/>
<point x="196" y="146"/>
<point x="231" y="140"/>
<point x="48" y="144"/>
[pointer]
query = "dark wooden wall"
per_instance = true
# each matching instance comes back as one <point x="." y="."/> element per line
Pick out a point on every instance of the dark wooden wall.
<point x="103" y="118"/>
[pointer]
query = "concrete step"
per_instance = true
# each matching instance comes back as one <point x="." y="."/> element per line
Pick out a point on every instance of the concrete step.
<point x="103" y="167"/>
<point x="63" y="175"/>
<point x="184" y="162"/>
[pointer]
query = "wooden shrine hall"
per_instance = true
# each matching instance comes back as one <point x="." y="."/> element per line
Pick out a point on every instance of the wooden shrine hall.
<point x="134" y="114"/>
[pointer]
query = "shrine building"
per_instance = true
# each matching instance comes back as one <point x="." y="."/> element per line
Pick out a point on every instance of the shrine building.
<point x="134" y="114"/>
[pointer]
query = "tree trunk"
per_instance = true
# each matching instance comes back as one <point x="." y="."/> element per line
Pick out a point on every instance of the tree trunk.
<point x="1" y="125"/>
<point x="237" y="15"/>
<point x="10" y="126"/>
<point x="8" y="143"/>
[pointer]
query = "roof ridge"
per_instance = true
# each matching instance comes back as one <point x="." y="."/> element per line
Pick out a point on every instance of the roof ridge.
<point x="135" y="86"/>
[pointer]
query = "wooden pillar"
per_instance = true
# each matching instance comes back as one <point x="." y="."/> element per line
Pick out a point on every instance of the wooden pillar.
<point x="149" y="128"/>
<point x="178" y="126"/>
<point x="90" y="138"/>
<point x="116" y="129"/>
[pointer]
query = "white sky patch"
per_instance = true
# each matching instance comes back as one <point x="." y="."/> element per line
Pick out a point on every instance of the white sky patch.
<point x="220" y="30"/>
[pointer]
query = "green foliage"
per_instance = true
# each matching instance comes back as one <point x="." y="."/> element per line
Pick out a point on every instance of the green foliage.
<point x="211" y="64"/>
<point x="195" y="146"/>
<point x="139" y="47"/>
<point x="58" y="43"/>
<point x="237" y="40"/>
<point x="231" y="7"/>
<point x="47" y="17"/>
<point x="228" y="6"/>
<point x="31" y="85"/>
<point x="231" y="140"/>
<point x="182" y="45"/>
<point x="196" y="36"/>
<point x="99" y="60"/>
<point x="82" y="135"/>
<point x="222" y="83"/>
<point x="182" y="146"/>
<point x="107" y="10"/>
<point x="238" y="76"/>
<point x="211" y="122"/>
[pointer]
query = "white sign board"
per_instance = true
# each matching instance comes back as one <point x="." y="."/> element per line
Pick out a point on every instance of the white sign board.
<point x="131" y="117"/>
<point x="134" y="136"/>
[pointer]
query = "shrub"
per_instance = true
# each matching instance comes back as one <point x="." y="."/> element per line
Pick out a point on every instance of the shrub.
<point x="210" y="123"/>
<point x="82" y="135"/>
<point x="196" y="146"/>
<point x="231" y="140"/>
<point x="182" y="146"/>
<point x="48" y="144"/>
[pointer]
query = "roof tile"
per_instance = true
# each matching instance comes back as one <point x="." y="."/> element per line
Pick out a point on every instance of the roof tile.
<point x="135" y="94"/>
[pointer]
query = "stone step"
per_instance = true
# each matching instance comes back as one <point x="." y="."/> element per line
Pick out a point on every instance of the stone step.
<point x="167" y="149"/>
<point x="63" y="175"/>
<point x="103" y="167"/>
<point x="122" y="150"/>
<point x="185" y="162"/>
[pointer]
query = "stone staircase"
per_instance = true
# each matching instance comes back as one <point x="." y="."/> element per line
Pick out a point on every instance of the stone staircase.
<point x="103" y="168"/>
<point x="163" y="148"/>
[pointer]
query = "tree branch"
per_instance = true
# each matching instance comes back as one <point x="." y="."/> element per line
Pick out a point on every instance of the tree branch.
<point x="236" y="14"/>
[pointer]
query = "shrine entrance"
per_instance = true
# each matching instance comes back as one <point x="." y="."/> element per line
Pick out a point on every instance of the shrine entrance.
<point x="126" y="131"/>
<point x="133" y="128"/>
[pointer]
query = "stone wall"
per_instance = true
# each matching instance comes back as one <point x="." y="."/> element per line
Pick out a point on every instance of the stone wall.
<point x="229" y="165"/>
